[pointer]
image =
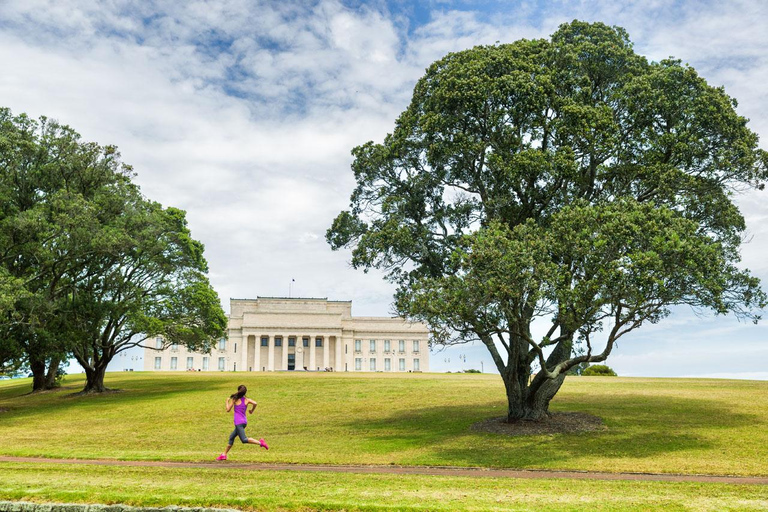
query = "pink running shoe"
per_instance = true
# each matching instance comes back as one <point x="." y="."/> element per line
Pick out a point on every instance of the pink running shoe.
<point x="221" y="457"/>
<point x="263" y="444"/>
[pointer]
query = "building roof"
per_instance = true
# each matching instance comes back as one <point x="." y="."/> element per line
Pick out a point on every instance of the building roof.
<point x="258" y="297"/>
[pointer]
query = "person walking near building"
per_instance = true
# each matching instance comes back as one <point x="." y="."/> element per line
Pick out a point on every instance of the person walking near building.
<point x="240" y="403"/>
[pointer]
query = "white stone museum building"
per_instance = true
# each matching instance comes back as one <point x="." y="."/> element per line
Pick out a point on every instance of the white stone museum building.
<point x="289" y="334"/>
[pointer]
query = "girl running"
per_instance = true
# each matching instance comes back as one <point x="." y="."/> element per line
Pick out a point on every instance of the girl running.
<point x="240" y="403"/>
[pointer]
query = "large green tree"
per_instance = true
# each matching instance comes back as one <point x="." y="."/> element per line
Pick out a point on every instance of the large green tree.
<point x="568" y="182"/>
<point x="95" y="267"/>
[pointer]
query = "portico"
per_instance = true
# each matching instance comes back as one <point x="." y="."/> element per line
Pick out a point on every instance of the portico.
<point x="288" y="334"/>
<point x="266" y="350"/>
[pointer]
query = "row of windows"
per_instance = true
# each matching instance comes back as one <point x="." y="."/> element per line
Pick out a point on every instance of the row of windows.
<point x="291" y="341"/>
<point x="358" y="364"/>
<point x="387" y="345"/>
<point x="305" y="342"/>
<point x="387" y="364"/>
<point x="190" y="363"/>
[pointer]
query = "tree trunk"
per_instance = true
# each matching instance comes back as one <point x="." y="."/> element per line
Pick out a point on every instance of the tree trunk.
<point x="43" y="374"/>
<point x="94" y="378"/>
<point x="51" y="381"/>
<point x="530" y="401"/>
<point x="37" y="366"/>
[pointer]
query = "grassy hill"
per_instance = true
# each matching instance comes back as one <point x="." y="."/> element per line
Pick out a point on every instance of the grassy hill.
<point x="653" y="425"/>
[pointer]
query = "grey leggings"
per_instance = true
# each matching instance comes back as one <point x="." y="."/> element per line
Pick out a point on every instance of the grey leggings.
<point x="239" y="431"/>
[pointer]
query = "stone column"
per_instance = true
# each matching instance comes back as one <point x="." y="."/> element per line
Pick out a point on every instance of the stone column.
<point x="326" y="348"/>
<point x="337" y="366"/>
<point x="312" y="353"/>
<point x="271" y="356"/>
<point x="284" y="363"/>
<point x="257" y="354"/>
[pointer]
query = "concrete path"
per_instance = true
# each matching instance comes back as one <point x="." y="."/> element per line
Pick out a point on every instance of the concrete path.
<point x="406" y="470"/>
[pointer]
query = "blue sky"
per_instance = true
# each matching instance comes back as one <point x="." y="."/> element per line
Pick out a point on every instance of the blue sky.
<point x="244" y="113"/>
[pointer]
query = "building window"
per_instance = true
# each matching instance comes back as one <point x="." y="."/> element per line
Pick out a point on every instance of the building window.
<point x="305" y="342"/>
<point x="278" y="341"/>
<point x="373" y="345"/>
<point x="291" y="342"/>
<point x="235" y="350"/>
<point x="223" y="344"/>
<point x="416" y="346"/>
<point x="158" y="342"/>
<point x="190" y="363"/>
<point x="221" y="364"/>
<point x="386" y="345"/>
<point x="264" y="341"/>
<point x="318" y="342"/>
<point x="401" y="345"/>
<point x="358" y="345"/>
<point x="174" y="363"/>
<point x="205" y="364"/>
<point x="175" y="347"/>
<point x="358" y="363"/>
<point x="402" y="364"/>
<point x="387" y="365"/>
<point x="416" y="366"/>
<point x="373" y="364"/>
<point x="158" y="362"/>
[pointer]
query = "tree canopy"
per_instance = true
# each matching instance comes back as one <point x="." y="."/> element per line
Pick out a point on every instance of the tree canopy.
<point x="89" y="267"/>
<point x="568" y="180"/>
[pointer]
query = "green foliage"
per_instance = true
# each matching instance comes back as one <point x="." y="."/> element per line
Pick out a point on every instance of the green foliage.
<point x="596" y="370"/>
<point x="89" y="267"/>
<point x="566" y="179"/>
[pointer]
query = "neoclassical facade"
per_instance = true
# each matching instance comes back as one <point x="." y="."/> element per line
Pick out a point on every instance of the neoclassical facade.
<point x="288" y="334"/>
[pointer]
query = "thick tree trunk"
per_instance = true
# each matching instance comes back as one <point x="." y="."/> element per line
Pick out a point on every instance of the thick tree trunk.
<point x="50" y="378"/>
<point x="37" y="367"/>
<point x="43" y="374"/>
<point x="94" y="379"/>
<point x="530" y="401"/>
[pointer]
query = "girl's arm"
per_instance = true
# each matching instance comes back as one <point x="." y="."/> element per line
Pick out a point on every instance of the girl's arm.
<point x="230" y="403"/>
<point x="252" y="404"/>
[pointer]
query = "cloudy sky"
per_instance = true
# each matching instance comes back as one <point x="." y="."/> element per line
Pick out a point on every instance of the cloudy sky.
<point x="244" y="112"/>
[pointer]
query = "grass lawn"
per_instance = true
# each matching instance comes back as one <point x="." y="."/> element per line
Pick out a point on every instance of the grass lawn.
<point x="654" y="425"/>
<point x="275" y="490"/>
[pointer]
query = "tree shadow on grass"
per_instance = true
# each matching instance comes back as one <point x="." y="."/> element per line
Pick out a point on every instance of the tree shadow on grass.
<point x="67" y="398"/>
<point x="638" y="426"/>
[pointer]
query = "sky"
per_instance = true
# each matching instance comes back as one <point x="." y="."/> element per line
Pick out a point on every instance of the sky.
<point x="244" y="113"/>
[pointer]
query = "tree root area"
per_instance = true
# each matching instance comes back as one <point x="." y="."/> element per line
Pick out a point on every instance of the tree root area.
<point x="555" y="423"/>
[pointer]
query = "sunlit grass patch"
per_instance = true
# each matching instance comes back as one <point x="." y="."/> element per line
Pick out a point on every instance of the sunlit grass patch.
<point x="653" y="425"/>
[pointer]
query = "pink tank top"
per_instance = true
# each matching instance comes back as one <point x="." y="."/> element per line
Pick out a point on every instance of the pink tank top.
<point x="240" y="412"/>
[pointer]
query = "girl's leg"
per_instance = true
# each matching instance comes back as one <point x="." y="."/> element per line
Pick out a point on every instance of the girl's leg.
<point x="260" y="442"/>
<point x="232" y="436"/>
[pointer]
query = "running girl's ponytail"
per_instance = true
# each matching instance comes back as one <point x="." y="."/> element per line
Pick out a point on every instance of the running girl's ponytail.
<point x="241" y="390"/>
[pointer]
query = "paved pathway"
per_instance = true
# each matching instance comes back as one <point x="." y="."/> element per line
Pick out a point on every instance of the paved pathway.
<point x="407" y="470"/>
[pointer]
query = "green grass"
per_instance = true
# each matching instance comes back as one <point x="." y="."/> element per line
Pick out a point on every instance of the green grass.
<point x="280" y="490"/>
<point x="654" y="425"/>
